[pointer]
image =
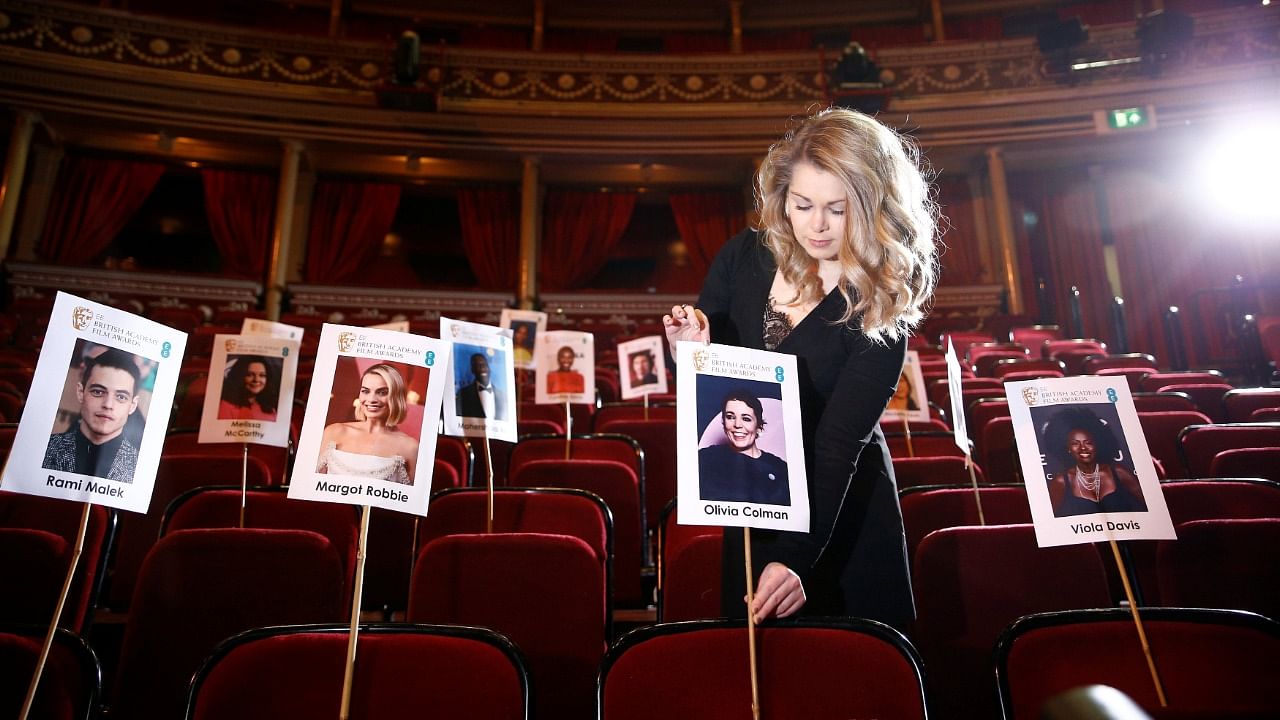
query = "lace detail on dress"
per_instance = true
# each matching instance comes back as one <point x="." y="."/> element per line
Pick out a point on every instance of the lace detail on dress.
<point x="340" y="462"/>
<point x="777" y="326"/>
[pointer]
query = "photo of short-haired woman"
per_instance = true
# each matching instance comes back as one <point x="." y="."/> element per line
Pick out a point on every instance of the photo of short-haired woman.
<point x="735" y="462"/>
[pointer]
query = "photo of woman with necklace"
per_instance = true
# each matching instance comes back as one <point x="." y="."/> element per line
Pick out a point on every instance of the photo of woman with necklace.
<point x="1093" y="473"/>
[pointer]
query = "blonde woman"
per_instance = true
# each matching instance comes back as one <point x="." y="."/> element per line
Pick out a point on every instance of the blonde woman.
<point x="838" y="273"/>
<point x="372" y="446"/>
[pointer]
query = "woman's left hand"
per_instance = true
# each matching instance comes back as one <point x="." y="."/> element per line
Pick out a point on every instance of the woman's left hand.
<point x="779" y="593"/>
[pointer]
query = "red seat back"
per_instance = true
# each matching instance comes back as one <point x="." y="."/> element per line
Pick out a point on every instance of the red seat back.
<point x="657" y="436"/>
<point x="1033" y="336"/>
<point x="618" y="486"/>
<point x="917" y="471"/>
<point x="1095" y="364"/>
<point x="404" y="672"/>
<point x="176" y="474"/>
<point x="699" y="670"/>
<point x="691" y="582"/>
<point x="61" y="519"/>
<point x="1200" y="443"/>
<point x="1214" y="663"/>
<point x="1162" y="402"/>
<point x="630" y="411"/>
<point x="998" y="451"/>
<point x="964" y="600"/>
<point x="70" y="685"/>
<point x="925" y="444"/>
<point x="925" y="509"/>
<point x="1241" y="402"/>
<point x="1261" y="463"/>
<point x="544" y="592"/>
<point x="1161" y="429"/>
<point x="1208" y="397"/>
<point x="1152" y="382"/>
<point x="269" y="508"/>
<point x="1228" y="563"/>
<point x="199" y="587"/>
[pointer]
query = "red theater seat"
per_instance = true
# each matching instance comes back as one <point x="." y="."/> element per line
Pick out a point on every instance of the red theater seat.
<point x="1199" y="444"/>
<point x="1261" y="463"/>
<point x="1222" y="564"/>
<point x="925" y="509"/>
<point x="700" y="670"/>
<point x="403" y="672"/>
<point x="689" y="569"/>
<point x="1214" y="663"/>
<point x="71" y="684"/>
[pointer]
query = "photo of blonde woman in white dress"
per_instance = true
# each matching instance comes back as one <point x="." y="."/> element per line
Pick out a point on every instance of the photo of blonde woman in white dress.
<point x="373" y="445"/>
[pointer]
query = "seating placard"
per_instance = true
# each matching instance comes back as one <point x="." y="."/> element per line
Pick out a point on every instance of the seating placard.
<point x="525" y="327"/>
<point x="116" y="375"/>
<point x="369" y="432"/>
<point x="909" y="401"/>
<point x="480" y="390"/>
<point x="643" y="367"/>
<point x="249" y="396"/>
<point x="566" y="367"/>
<point x="739" y="450"/>
<point x="270" y="328"/>
<point x="1089" y="475"/>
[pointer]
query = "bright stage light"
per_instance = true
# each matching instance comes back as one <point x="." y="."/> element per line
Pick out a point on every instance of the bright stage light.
<point x="1237" y="175"/>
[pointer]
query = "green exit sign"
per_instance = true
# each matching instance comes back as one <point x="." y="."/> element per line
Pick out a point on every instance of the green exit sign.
<point x="1127" y="118"/>
<point x="1124" y="119"/>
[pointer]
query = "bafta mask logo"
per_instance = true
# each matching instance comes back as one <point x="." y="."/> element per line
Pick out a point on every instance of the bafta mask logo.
<point x="346" y="341"/>
<point x="230" y="345"/>
<point x="700" y="360"/>
<point x="1030" y="395"/>
<point x="81" y="317"/>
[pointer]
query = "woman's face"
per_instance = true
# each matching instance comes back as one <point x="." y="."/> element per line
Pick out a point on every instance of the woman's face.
<point x="816" y="207"/>
<point x="741" y="425"/>
<point x="565" y="358"/>
<point x="373" y="395"/>
<point x="1080" y="446"/>
<point x="520" y="335"/>
<point x="255" y="378"/>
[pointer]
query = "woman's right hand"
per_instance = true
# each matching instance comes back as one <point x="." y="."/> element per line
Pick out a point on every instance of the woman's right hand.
<point x="686" y="322"/>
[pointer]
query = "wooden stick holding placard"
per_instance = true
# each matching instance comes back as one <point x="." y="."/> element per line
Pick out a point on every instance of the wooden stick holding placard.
<point x="57" y="613"/>
<point x="906" y="428"/>
<point x="244" y="483"/>
<point x="349" y="674"/>
<point x="488" y="464"/>
<point x="646" y="407"/>
<point x="973" y="478"/>
<point x="751" y="627"/>
<point x="1137" y="622"/>
<point x="568" y="430"/>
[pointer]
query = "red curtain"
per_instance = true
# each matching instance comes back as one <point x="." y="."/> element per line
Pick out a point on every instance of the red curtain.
<point x="1068" y="243"/>
<point x="241" y="209"/>
<point x="491" y="235"/>
<point x="705" y="221"/>
<point x="961" y="260"/>
<point x="94" y="199"/>
<point x="348" y="222"/>
<point x="579" y="231"/>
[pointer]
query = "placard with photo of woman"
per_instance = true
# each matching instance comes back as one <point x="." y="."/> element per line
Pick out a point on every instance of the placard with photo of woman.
<point x="566" y="368"/>
<point x="908" y="401"/>
<point x="740" y="455"/>
<point x="1089" y="474"/>
<point x="249" y="394"/>
<point x="369" y="433"/>
<point x="525" y="326"/>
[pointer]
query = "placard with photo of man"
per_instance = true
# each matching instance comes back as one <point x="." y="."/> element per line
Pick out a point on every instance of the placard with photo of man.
<point x="481" y="388"/>
<point x="1089" y="474"/>
<point x="643" y="367"/>
<point x="94" y="423"/>
<point x="249" y="396"/>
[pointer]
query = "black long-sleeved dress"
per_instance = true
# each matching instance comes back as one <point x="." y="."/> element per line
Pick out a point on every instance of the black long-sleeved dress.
<point x="853" y="561"/>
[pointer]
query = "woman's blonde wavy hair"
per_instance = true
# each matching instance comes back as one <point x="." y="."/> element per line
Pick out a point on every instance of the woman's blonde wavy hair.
<point x="397" y="394"/>
<point x="888" y="255"/>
